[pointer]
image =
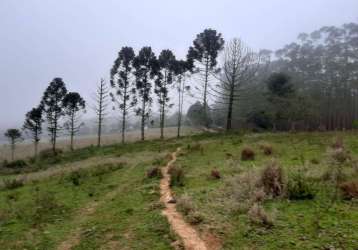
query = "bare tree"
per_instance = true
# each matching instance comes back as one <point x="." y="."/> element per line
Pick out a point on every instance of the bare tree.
<point x="101" y="99"/>
<point x="240" y="66"/>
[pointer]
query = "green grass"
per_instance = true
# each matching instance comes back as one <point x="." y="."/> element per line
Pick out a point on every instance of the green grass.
<point x="303" y="224"/>
<point x="112" y="206"/>
<point x="126" y="205"/>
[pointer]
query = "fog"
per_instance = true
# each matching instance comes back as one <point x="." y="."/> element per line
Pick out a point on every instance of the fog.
<point x="79" y="40"/>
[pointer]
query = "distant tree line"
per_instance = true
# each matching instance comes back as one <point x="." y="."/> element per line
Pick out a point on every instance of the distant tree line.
<point x="310" y="84"/>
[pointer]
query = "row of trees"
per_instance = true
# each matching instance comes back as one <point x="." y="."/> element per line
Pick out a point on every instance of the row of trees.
<point x="318" y="75"/>
<point x="310" y="84"/>
<point x="57" y="103"/>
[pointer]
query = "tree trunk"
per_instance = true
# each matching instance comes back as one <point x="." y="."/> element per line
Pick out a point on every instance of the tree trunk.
<point x="124" y="115"/>
<point x="72" y="129"/>
<point x="12" y="150"/>
<point x="162" y="121"/>
<point x="205" y="104"/>
<point x="143" y="119"/>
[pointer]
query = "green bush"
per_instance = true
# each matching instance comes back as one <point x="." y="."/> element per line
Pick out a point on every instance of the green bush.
<point x="299" y="188"/>
<point x="49" y="154"/>
<point x="15" y="164"/>
<point x="176" y="176"/>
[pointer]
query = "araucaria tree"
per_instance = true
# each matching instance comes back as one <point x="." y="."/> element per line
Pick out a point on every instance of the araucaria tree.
<point x="165" y="75"/>
<point x="123" y="84"/>
<point x="14" y="136"/>
<point x="52" y="103"/>
<point x="73" y="103"/>
<point x="204" y="53"/>
<point x="145" y="64"/>
<point x="239" y="68"/>
<point x="33" y="125"/>
<point x="101" y="98"/>
<point x="181" y="69"/>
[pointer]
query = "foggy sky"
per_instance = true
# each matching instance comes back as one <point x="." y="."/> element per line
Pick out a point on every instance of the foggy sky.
<point x="78" y="40"/>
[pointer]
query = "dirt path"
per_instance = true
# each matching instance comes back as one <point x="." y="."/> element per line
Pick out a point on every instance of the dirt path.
<point x="186" y="232"/>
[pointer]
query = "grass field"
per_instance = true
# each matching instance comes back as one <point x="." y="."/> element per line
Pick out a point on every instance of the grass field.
<point x="102" y="198"/>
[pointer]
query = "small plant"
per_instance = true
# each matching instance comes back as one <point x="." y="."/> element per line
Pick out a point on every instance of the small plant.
<point x="154" y="172"/>
<point x="272" y="180"/>
<point x="259" y="216"/>
<point x="49" y="153"/>
<point x="195" y="218"/>
<point x="15" y="164"/>
<point x="76" y="176"/>
<point x="185" y="204"/>
<point x="349" y="190"/>
<point x="266" y="148"/>
<point x="314" y="161"/>
<point x="298" y="188"/>
<point x="215" y="174"/>
<point x="247" y="154"/>
<point x="176" y="176"/>
<point x="13" y="183"/>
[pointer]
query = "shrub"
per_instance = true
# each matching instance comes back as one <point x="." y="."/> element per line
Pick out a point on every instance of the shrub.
<point x="247" y="154"/>
<point x="196" y="147"/>
<point x="48" y="153"/>
<point x="349" y="190"/>
<point x="76" y="176"/>
<point x="13" y="183"/>
<point x="272" y="179"/>
<point x="314" y="161"/>
<point x="195" y="218"/>
<point x="266" y="148"/>
<point x="15" y="164"/>
<point x="215" y="174"/>
<point x="242" y="189"/>
<point x="339" y="155"/>
<point x="299" y="188"/>
<point x="185" y="204"/>
<point x="154" y="172"/>
<point x="176" y="176"/>
<point x="259" y="216"/>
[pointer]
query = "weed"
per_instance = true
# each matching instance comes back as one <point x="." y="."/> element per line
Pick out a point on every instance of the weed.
<point x="247" y="154"/>
<point x="185" y="204"/>
<point x="266" y="148"/>
<point x="349" y="190"/>
<point x="176" y="176"/>
<point x="299" y="188"/>
<point x="272" y="179"/>
<point x="154" y="172"/>
<point x="215" y="174"/>
<point x="259" y="216"/>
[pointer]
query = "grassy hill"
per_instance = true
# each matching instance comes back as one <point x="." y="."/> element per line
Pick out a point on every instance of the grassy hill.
<point x="284" y="191"/>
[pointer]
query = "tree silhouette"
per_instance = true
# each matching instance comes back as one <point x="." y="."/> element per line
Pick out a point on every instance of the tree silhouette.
<point x="204" y="52"/>
<point x="33" y="125"/>
<point x="73" y="103"/>
<point x="239" y="69"/>
<point x="145" y="65"/>
<point x="101" y="98"/>
<point x="181" y="68"/>
<point x="14" y="136"/>
<point x="122" y="81"/>
<point x="166" y="73"/>
<point x="52" y="103"/>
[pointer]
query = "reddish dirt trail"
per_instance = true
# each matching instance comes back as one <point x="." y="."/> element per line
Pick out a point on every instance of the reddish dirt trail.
<point x="186" y="232"/>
